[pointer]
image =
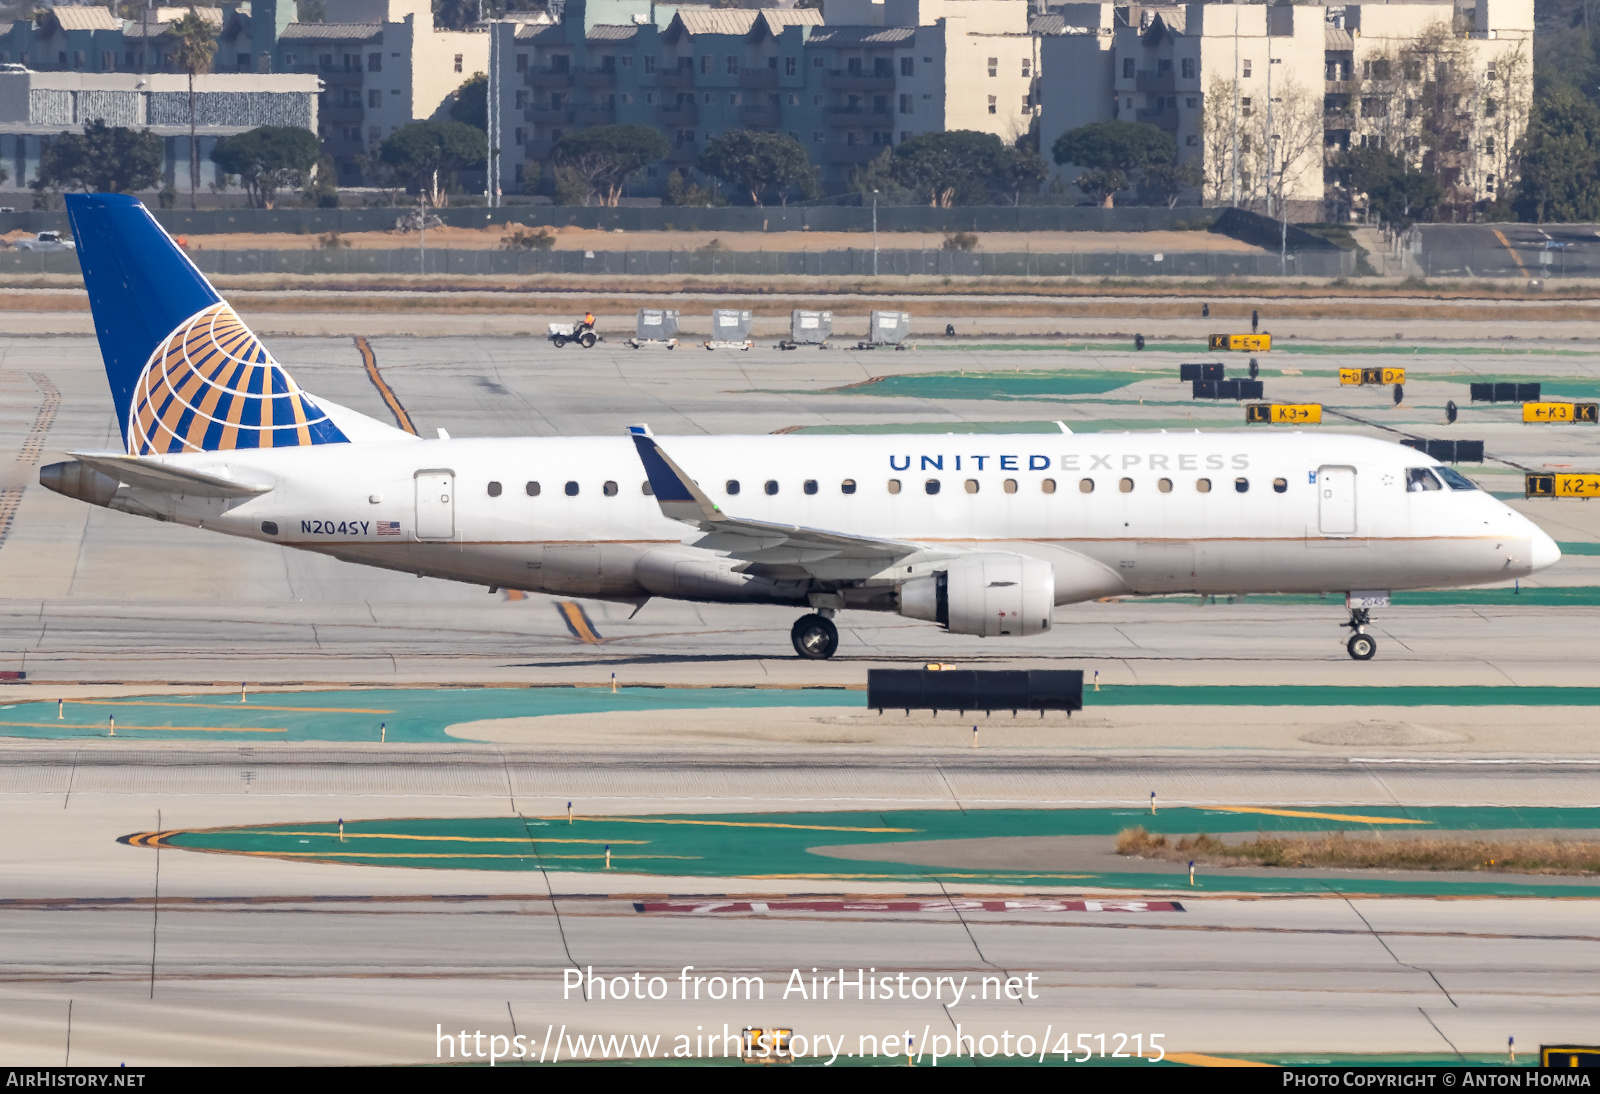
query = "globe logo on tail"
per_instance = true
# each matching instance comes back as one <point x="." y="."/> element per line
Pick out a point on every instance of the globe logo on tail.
<point x="212" y="386"/>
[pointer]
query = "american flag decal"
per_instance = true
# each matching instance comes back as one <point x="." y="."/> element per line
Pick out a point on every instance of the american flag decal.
<point x="388" y="528"/>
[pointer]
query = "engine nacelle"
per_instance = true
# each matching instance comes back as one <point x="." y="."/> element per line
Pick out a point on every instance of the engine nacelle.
<point x="988" y="595"/>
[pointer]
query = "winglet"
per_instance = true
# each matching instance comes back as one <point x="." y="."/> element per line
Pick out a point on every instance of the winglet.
<point x="675" y="491"/>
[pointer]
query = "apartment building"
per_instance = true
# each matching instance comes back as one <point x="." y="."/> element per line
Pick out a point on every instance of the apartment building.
<point x="382" y="64"/>
<point x="848" y="82"/>
<point x="1258" y="98"/>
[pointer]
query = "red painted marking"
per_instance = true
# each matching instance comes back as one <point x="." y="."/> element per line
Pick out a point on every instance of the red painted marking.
<point x="759" y="907"/>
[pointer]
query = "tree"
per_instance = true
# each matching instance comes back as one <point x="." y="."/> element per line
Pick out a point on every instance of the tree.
<point x="1397" y="191"/>
<point x="1122" y="147"/>
<point x="601" y="158"/>
<point x="949" y="168"/>
<point x="758" y="162"/>
<point x="1218" y="139"/>
<point x="268" y="159"/>
<point x="428" y="154"/>
<point x="102" y="159"/>
<point x="197" y="44"/>
<point x="1019" y="170"/>
<point x="1293" y="148"/>
<point x="470" y="104"/>
<point x="1099" y="183"/>
<point x="1560" y="160"/>
<point x="1165" y="183"/>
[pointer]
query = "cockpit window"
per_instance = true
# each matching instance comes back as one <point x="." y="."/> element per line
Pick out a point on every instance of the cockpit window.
<point x="1454" y="479"/>
<point x="1419" y="479"/>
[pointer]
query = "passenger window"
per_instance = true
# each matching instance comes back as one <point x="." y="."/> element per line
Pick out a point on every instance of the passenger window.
<point x="1419" y="479"/>
<point x="1085" y="486"/>
<point x="810" y="486"/>
<point x="732" y="486"/>
<point x="1009" y="486"/>
<point x="848" y="486"/>
<point x="533" y="489"/>
<point x="494" y="490"/>
<point x="772" y="486"/>
<point x="1241" y="485"/>
<point x="1202" y="486"/>
<point x="1126" y="486"/>
<point x="1280" y="486"/>
<point x="931" y="486"/>
<point x="894" y="486"/>
<point x="572" y="489"/>
<point x="1048" y="486"/>
<point x="972" y="486"/>
<point x="1454" y="479"/>
<point x="609" y="489"/>
<point x="1164" y="485"/>
<point x="646" y="489"/>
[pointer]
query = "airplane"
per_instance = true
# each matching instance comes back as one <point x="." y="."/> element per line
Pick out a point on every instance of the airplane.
<point x="983" y="535"/>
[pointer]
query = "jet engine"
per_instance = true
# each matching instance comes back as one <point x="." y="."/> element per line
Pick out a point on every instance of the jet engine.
<point x="985" y="594"/>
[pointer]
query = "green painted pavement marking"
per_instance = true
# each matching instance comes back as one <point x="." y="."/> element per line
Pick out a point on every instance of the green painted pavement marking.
<point x="1543" y="596"/>
<point x="777" y="846"/>
<point x="1334" y="695"/>
<point x="410" y="715"/>
<point x="1570" y="548"/>
<point x="422" y="715"/>
<point x="1281" y="346"/>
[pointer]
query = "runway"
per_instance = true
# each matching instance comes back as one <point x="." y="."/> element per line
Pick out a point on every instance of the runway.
<point x="260" y="959"/>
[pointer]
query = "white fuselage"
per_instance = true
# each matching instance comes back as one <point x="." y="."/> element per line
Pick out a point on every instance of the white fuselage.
<point x="1283" y="512"/>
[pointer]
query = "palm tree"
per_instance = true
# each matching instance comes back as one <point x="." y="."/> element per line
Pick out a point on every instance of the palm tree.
<point x="197" y="44"/>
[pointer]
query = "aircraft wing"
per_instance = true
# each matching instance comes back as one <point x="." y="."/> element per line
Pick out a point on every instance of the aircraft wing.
<point x="150" y="474"/>
<point x="759" y="541"/>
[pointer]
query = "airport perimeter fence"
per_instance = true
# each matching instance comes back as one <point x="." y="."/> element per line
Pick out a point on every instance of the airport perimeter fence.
<point x="824" y="218"/>
<point x="847" y="263"/>
<point x="1502" y="262"/>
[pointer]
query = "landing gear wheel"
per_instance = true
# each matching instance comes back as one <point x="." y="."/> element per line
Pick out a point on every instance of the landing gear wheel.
<point x="1362" y="646"/>
<point x="814" y="637"/>
<point x="587" y="339"/>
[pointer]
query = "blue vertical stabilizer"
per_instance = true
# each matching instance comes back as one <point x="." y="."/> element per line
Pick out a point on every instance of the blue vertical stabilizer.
<point x="186" y="374"/>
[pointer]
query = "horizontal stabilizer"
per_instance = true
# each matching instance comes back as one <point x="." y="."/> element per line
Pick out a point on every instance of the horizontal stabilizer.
<point x="144" y="474"/>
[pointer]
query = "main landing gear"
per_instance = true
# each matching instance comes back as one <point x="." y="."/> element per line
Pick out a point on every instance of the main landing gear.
<point x="1361" y="645"/>
<point x="815" y="637"/>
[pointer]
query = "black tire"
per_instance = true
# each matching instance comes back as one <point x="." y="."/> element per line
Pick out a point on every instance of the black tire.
<point x="1362" y="646"/>
<point x="587" y="339"/>
<point x="814" y="637"/>
<point x="559" y="341"/>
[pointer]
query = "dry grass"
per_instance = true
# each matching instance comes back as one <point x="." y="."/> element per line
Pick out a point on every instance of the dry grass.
<point x="396" y="293"/>
<point x="1528" y="856"/>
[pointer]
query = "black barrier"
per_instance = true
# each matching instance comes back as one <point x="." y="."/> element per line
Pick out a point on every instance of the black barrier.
<point x="1205" y="389"/>
<point x="975" y="689"/>
<point x="1187" y="374"/>
<point x="1251" y="389"/>
<point x="1504" y="392"/>
<point x="1448" y="451"/>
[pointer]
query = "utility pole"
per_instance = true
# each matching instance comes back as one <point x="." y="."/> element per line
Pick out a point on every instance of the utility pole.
<point x="492" y="167"/>
<point x="874" y="233"/>
<point x="422" y="233"/>
<point x="1236" y="105"/>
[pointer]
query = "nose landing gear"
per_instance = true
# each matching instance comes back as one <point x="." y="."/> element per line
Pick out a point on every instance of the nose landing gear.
<point x="1361" y="645"/>
<point x="815" y="637"/>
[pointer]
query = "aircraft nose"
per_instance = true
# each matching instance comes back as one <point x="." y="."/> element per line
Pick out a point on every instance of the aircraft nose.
<point x="1544" y="550"/>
